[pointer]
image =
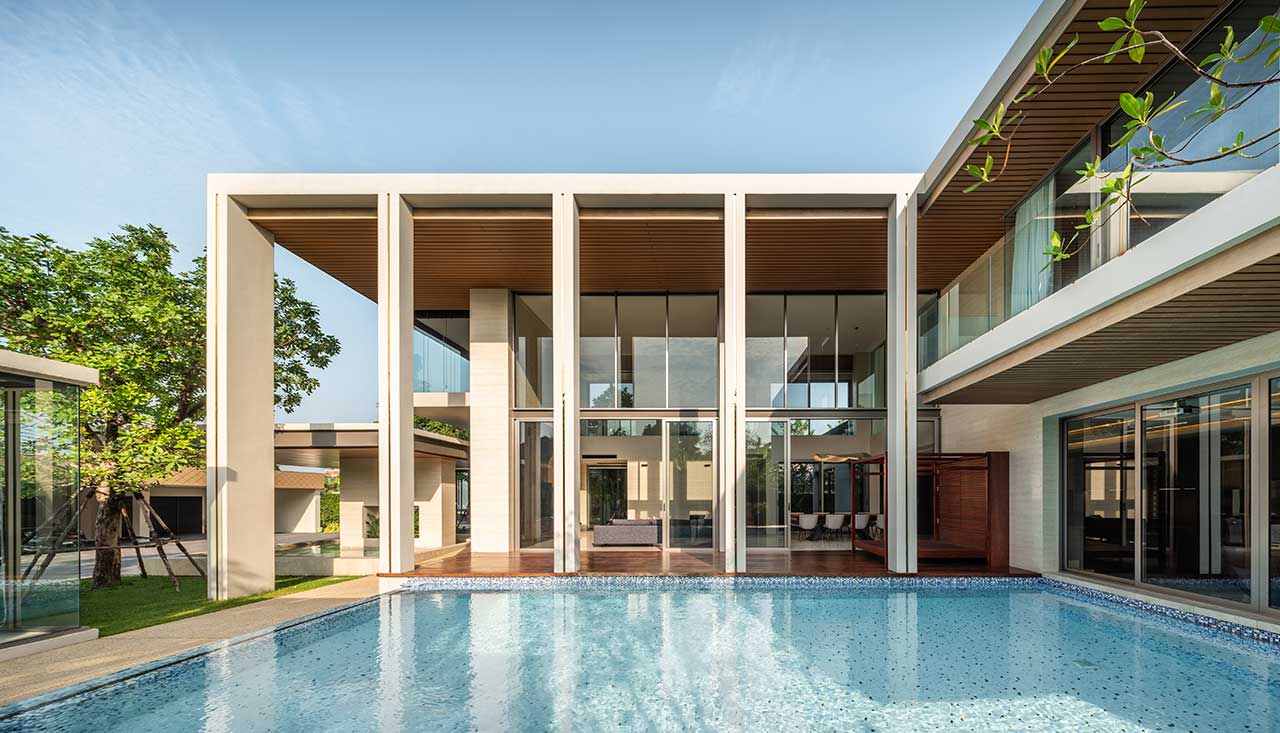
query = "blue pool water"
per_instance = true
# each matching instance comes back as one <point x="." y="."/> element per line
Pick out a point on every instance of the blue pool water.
<point x="850" y="658"/>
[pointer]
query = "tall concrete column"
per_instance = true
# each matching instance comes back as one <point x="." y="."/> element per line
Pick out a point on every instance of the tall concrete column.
<point x="901" y="387"/>
<point x="564" y="319"/>
<point x="733" y="387"/>
<point x="240" y="317"/>
<point x="435" y="498"/>
<point x="395" y="384"/>
<point x="493" y="494"/>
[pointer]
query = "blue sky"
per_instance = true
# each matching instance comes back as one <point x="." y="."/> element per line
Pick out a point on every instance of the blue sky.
<point x="114" y="114"/>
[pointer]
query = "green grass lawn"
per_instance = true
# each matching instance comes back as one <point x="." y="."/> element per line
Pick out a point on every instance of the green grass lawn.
<point x="142" y="602"/>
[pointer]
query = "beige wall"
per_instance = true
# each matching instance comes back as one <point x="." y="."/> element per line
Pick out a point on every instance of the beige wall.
<point x="1030" y="434"/>
<point x="435" y="497"/>
<point x="492" y="495"/>
<point x="297" y="510"/>
<point x="359" y="490"/>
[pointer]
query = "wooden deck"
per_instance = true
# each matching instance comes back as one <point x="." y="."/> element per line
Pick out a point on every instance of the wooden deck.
<point x="843" y="563"/>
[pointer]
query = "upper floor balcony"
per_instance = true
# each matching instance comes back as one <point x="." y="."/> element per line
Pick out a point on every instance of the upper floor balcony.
<point x="1016" y="292"/>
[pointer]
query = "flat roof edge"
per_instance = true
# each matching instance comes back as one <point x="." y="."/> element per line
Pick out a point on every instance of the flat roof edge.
<point x="39" y="367"/>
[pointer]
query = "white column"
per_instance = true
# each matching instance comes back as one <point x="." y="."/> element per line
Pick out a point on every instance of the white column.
<point x="435" y="498"/>
<point x="395" y="384"/>
<point x="493" y="494"/>
<point x="900" y="388"/>
<point x="240" y="317"/>
<point x="733" y="387"/>
<point x="564" y="319"/>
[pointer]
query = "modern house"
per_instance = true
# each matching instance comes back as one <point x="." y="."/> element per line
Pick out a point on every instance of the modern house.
<point x="746" y="365"/>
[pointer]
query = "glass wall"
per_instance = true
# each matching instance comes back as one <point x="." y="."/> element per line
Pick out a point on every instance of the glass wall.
<point x="1273" y="498"/>
<point x="620" y="489"/>
<point x="39" y="508"/>
<point x="441" y="352"/>
<point x="835" y="492"/>
<point x="1196" y="463"/>
<point x="766" y="484"/>
<point x="649" y="351"/>
<point x="537" y="493"/>
<point x="691" y="482"/>
<point x="815" y="351"/>
<point x="1099" y="487"/>
<point x="533" y="350"/>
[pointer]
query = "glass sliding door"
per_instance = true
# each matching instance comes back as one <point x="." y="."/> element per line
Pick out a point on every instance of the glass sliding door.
<point x="537" y="492"/>
<point x="1273" y="498"/>
<point x="1196" y="475"/>
<point x="1099" y="490"/>
<point x="691" y="483"/>
<point x="766" y="484"/>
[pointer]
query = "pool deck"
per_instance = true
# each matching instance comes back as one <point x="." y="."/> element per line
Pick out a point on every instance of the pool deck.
<point x="42" y="672"/>
<point x="652" y="562"/>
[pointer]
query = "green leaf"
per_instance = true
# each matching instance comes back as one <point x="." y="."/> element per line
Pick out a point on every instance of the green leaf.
<point x="1131" y="105"/>
<point x="1115" y="49"/>
<point x="972" y="187"/>
<point x="1112" y="24"/>
<point x="1270" y="24"/>
<point x="983" y="124"/>
<point x="1273" y="57"/>
<point x="1137" y="51"/>
<point x="1135" y="7"/>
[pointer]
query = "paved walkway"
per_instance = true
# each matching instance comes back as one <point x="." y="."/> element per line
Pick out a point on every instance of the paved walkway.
<point x="47" y="671"/>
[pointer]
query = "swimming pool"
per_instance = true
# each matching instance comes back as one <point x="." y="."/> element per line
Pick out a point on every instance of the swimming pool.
<point x="706" y="654"/>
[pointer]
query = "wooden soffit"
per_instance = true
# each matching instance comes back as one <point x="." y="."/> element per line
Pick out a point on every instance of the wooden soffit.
<point x="820" y="255"/>
<point x="650" y="254"/>
<point x="958" y="227"/>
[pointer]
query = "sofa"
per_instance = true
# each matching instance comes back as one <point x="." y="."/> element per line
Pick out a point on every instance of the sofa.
<point x="627" y="532"/>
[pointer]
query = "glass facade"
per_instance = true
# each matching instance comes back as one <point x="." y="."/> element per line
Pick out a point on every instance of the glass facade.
<point x="39" y="508"/>
<point x="815" y="351"/>
<point x="441" y="352"/>
<point x="537" y="492"/>
<point x="766" y="496"/>
<point x="1273" y="494"/>
<point x="1100" y="490"/>
<point x="691" y="483"/>
<point x="533" y="350"/>
<point x="649" y="351"/>
<point x="1196" y="469"/>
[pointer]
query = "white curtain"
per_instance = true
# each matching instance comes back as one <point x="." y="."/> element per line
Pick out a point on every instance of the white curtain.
<point x="1032" y="227"/>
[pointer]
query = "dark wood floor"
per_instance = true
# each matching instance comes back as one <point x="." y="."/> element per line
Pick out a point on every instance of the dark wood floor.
<point x="842" y="563"/>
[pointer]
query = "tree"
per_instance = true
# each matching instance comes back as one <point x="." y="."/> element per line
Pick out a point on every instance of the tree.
<point x="431" y="425"/>
<point x="1234" y="74"/>
<point x="118" y="306"/>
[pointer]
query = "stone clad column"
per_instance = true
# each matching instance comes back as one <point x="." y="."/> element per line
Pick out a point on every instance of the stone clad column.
<point x="240" y="409"/>
<point x="901" y="387"/>
<point x="395" y="384"/>
<point x="435" y="499"/>
<point x="733" y="387"/>
<point x="564" y="319"/>
<point x="358" y="490"/>
<point x="493" y="495"/>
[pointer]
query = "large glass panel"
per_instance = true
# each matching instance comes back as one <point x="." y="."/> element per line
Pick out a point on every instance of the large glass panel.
<point x="537" y="502"/>
<point x="623" y="486"/>
<point x="811" y="351"/>
<point x="860" y="368"/>
<point x="597" y="368"/>
<point x="1273" y="503"/>
<point x="533" y="351"/>
<point x="441" y="350"/>
<point x="39" y="508"/>
<point x="462" y="503"/>
<point x="1196" y="493"/>
<point x="691" y="483"/>
<point x="766" y="484"/>
<point x="695" y="352"/>
<point x="834" y="491"/>
<point x="642" y="339"/>
<point x="765" y="368"/>
<point x="974" y="305"/>
<point x="1099" y="491"/>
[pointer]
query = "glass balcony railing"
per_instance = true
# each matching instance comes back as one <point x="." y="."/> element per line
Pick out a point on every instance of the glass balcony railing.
<point x="438" y="367"/>
<point x="1015" y="273"/>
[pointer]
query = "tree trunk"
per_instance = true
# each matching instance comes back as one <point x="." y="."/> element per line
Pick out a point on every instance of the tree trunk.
<point x="106" y="536"/>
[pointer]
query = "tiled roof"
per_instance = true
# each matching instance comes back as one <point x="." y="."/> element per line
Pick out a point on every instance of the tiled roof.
<point x="195" y="478"/>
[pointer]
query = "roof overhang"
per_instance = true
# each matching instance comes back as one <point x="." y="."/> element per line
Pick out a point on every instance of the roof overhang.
<point x="324" y="444"/>
<point x="40" y="368"/>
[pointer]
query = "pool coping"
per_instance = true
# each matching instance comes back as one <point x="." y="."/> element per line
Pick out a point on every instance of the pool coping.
<point x="106" y="680"/>
<point x="1205" y="626"/>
